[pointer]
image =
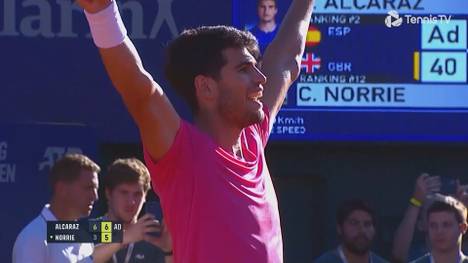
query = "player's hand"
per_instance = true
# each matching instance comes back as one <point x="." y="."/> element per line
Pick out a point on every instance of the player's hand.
<point x="137" y="231"/>
<point x="94" y="6"/>
<point x="164" y="242"/>
<point x="426" y="185"/>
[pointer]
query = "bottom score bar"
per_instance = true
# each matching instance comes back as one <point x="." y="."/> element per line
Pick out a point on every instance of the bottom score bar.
<point x="87" y="231"/>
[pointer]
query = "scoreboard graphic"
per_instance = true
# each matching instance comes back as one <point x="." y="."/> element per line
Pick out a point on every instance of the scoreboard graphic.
<point x="426" y="70"/>
<point x="91" y="231"/>
<point x="376" y="58"/>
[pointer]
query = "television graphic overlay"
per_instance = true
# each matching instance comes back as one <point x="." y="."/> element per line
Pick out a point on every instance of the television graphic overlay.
<point x="84" y="231"/>
<point x="377" y="71"/>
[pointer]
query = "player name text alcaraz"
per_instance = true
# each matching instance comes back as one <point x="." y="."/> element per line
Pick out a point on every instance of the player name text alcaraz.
<point x="374" y="4"/>
<point x="60" y="226"/>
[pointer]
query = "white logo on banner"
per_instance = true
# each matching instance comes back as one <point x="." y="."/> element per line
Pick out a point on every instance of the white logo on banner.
<point x="7" y="170"/>
<point x="3" y="151"/>
<point x="38" y="22"/>
<point x="52" y="154"/>
<point x="164" y="14"/>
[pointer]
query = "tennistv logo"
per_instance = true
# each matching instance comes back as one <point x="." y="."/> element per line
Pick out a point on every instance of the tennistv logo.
<point x="394" y="19"/>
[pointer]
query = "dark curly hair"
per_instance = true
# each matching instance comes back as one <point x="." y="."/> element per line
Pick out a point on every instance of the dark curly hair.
<point x="198" y="51"/>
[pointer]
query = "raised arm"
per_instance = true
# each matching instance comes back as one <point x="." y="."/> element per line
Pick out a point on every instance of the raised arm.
<point x="282" y="60"/>
<point x="154" y="115"/>
<point x="425" y="185"/>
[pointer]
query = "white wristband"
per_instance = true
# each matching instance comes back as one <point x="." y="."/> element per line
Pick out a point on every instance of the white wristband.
<point x="107" y="27"/>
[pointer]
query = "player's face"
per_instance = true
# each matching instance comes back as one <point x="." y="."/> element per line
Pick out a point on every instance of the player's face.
<point x="126" y="200"/>
<point x="240" y="88"/>
<point x="82" y="192"/>
<point x="357" y="232"/>
<point x="444" y="231"/>
<point x="267" y="11"/>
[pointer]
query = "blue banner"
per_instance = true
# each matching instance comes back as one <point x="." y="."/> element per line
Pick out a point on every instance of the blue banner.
<point x="27" y="152"/>
<point x="51" y="71"/>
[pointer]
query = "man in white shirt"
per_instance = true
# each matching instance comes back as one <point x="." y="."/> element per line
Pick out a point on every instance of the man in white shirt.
<point x="74" y="182"/>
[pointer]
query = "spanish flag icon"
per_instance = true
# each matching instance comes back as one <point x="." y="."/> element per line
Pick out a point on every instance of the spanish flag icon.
<point x="313" y="36"/>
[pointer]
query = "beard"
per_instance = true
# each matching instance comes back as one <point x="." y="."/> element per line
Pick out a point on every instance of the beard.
<point x="255" y="117"/>
<point x="359" y="245"/>
<point x="240" y="117"/>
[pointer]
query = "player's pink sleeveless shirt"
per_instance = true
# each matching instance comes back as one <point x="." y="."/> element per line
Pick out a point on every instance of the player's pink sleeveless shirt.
<point x="218" y="209"/>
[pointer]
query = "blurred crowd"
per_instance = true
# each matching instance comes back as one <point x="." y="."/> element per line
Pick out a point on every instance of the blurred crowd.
<point x="431" y="229"/>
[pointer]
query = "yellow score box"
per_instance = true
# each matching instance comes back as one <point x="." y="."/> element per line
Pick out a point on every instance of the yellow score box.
<point x="106" y="237"/>
<point x="106" y="227"/>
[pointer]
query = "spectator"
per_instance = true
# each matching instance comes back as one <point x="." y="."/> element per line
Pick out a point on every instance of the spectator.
<point x="126" y="184"/>
<point x="425" y="187"/>
<point x="446" y="224"/>
<point x="74" y="183"/>
<point x="356" y="231"/>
